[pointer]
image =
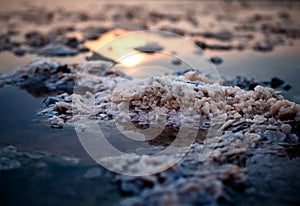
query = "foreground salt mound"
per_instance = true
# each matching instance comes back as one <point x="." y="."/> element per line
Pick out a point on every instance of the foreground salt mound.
<point x="169" y="96"/>
<point x="175" y="100"/>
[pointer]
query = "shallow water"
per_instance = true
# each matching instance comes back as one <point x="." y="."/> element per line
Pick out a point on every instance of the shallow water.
<point x="22" y="127"/>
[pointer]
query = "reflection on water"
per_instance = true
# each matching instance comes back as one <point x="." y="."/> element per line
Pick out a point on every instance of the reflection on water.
<point x="147" y="53"/>
<point x="20" y="126"/>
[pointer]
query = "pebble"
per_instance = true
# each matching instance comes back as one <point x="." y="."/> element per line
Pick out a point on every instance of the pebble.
<point x="57" y="49"/>
<point x="72" y="42"/>
<point x="63" y="68"/>
<point x="224" y="35"/>
<point x="222" y="47"/>
<point x="176" y="62"/>
<point x="84" y="49"/>
<point x="262" y="47"/>
<point x="20" y="52"/>
<point x="276" y="82"/>
<point x="150" y="48"/>
<point x="287" y="87"/>
<point x="216" y="60"/>
<point x="36" y="39"/>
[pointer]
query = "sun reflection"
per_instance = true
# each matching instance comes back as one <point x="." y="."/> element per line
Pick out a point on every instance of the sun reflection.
<point x="132" y="60"/>
<point x="119" y="49"/>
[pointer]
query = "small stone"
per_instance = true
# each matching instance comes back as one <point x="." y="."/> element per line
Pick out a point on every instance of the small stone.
<point x="72" y="42"/>
<point x="201" y="44"/>
<point x="176" y="62"/>
<point x="20" y="52"/>
<point x="63" y="68"/>
<point x="287" y="87"/>
<point x="56" y="49"/>
<point x="36" y="39"/>
<point x="224" y="35"/>
<point x="263" y="47"/>
<point x="13" y="32"/>
<point x="150" y="48"/>
<point x="252" y="85"/>
<point x="84" y="49"/>
<point x="93" y="173"/>
<point x="276" y="82"/>
<point x="216" y="60"/>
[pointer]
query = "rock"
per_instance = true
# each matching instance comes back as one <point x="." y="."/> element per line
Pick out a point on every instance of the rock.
<point x="201" y="44"/>
<point x="93" y="33"/>
<point x="224" y="35"/>
<point x="57" y="49"/>
<point x="5" y="43"/>
<point x="252" y="85"/>
<point x="262" y="47"/>
<point x="222" y="47"/>
<point x="150" y="48"/>
<point x="84" y="49"/>
<point x="93" y="173"/>
<point x="63" y="68"/>
<point x="216" y="60"/>
<point x="72" y="42"/>
<point x="13" y="32"/>
<point x="20" y="52"/>
<point x="36" y="39"/>
<point x="176" y="62"/>
<point x="276" y="82"/>
<point x="287" y="87"/>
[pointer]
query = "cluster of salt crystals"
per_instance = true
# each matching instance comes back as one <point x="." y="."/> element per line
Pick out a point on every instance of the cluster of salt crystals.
<point x="175" y="100"/>
<point x="182" y="102"/>
<point x="167" y="99"/>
